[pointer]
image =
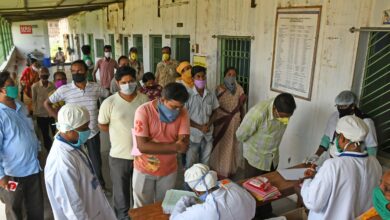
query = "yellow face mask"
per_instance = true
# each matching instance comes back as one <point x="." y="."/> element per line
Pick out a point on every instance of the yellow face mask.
<point x="283" y="120"/>
<point x="187" y="78"/>
<point x="165" y="57"/>
<point x="133" y="56"/>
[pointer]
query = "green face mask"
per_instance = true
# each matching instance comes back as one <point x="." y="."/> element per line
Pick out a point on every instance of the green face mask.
<point x="336" y="143"/>
<point x="380" y="203"/>
<point x="283" y="120"/>
<point x="12" y="91"/>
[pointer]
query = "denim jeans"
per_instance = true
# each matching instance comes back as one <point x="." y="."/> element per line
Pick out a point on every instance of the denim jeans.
<point x="199" y="153"/>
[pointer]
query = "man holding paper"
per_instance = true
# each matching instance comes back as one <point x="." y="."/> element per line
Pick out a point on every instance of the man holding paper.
<point x="116" y="116"/>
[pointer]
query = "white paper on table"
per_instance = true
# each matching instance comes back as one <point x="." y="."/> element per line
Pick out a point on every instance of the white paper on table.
<point x="292" y="174"/>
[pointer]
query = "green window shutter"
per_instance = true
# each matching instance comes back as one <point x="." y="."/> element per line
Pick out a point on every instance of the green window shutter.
<point x="375" y="93"/>
<point x="155" y="51"/>
<point x="99" y="47"/>
<point x="137" y="42"/>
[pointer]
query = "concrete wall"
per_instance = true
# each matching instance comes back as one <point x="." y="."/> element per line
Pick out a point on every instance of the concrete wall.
<point x="336" y="51"/>
<point x="39" y="39"/>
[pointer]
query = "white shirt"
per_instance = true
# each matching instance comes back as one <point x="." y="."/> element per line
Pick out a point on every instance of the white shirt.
<point x="342" y="188"/>
<point x="370" y="141"/>
<point x="119" y="114"/>
<point x="88" y="98"/>
<point x="73" y="190"/>
<point x="233" y="203"/>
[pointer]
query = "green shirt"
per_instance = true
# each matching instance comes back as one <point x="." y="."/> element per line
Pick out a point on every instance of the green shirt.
<point x="261" y="135"/>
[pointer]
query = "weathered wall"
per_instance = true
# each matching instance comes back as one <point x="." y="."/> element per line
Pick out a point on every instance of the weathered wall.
<point x="39" y="39"/>
<point x="203" y="18"/>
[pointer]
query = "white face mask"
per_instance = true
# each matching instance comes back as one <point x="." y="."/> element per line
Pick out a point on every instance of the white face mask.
<point x="34" y="68"/>
<point x="128" y="88"/>
<point x="107" y="54"/>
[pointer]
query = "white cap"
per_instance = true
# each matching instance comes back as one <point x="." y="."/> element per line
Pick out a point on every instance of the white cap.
<point x="71" y="116"/>
<point x="345" y="97"/>
<point x="194" y="174"/>
<point x="352" y="127"/>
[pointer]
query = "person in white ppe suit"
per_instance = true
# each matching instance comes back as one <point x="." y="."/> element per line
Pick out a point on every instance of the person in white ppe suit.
<point x="229" y="202"/>
<point x="343" y="186"/>
<point x="346" y="103"/>
<point x="73" y="189"/>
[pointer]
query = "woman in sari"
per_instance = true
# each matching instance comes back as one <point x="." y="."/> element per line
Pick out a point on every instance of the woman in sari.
<point x="225" y="156"/>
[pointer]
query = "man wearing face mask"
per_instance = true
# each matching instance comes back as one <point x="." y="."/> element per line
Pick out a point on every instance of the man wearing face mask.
<point x="261" y="132"/>
<point x="122" y="61"/>
<point x="346" y="105"/>
<point x="136" y="64"/>
<point x="69" y="174"/>
<point x="40" y="92"/>
<point x="106" y="67"/>
<point x="20" y="182"/>
<point x="116" y="116"/>
<point x="229" y="202"/>
<point x="201" y="106"/>
<point x="84" y="94"/>
<point x="343" y="186"/>
<point x="161" y="128"/>
<point x="166" y="69"/>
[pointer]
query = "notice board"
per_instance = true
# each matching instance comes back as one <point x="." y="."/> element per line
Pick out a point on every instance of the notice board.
<point x="295" y="48"/>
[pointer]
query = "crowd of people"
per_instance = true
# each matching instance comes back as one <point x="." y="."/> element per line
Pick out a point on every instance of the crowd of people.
<point x="152" y="120"/>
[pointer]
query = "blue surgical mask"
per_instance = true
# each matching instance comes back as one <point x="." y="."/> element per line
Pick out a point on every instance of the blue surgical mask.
<point x="167" y="115"/>
<point x="83" y="137"/>
<point x="230" y="83"/>
<point x="204" y="196"/>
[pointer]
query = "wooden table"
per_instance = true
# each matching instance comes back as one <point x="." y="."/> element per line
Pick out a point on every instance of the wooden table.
<point x="155" y="212"/>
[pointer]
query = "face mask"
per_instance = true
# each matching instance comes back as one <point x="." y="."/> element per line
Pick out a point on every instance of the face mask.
<point x="380" y="203"/>
<point x="107" y="54"/>
<point x="83" y="137"/>
<point x="204" y="196"/>
<point x="200" y="84"/>
<point x="344" y="112"/>
<point x="165" y="57"/>
<point x="11" y="92"/>
<point x="60" y="83"/>
<point x="167" y="115"/>
<point x="187" y="78"/>
<point x="230" y="83"/>
<point x="133" y="56"/>
<point x="78" y="77"/>
<point x="337" y="145"/>
<point x="128" y="88"/>
<point x="283" y="120"/>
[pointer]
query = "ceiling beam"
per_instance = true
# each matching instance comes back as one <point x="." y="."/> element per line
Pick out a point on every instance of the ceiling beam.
<point x="60" y="6"/>
<point x="52" y="10"/>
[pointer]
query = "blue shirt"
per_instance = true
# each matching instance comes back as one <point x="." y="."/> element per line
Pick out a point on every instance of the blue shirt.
<point x="18" y="143"/>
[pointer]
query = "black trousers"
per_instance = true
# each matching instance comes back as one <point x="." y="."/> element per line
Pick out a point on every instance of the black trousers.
<point x="264" y="211"/>
<point x="44" y="124"/>
<point x="28" y="193"/>
<point x="121" y="172"/>
<point x="93" y="147"/>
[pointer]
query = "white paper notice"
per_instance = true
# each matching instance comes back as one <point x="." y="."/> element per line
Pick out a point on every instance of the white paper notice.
<point x="294" y="53"/>
<point x="292" y="174"/>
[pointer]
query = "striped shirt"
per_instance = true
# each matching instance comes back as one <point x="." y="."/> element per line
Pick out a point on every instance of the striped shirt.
<point x="88" y="98"/>
<point x="261" y="135"/>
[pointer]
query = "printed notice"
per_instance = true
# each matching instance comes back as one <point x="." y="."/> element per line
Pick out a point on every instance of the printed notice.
<point x="295" y="51"/>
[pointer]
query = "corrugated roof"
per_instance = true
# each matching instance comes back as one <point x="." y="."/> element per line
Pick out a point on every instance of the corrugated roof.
<point x="25" y="10"/>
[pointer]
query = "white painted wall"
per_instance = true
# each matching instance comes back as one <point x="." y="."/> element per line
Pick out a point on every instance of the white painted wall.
<point x="203" y="18"/>
<point x="39" y="39"/>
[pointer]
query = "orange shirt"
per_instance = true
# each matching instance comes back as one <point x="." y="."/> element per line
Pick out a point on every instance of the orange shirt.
<point x="147" y="124"/>
<point x="28" y="78"/>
